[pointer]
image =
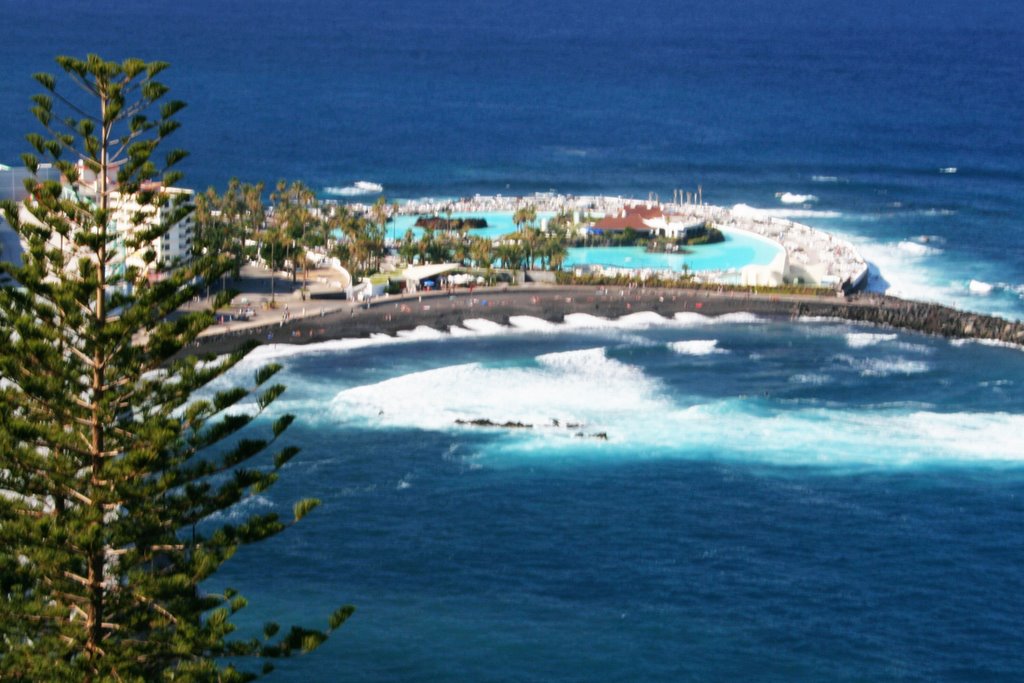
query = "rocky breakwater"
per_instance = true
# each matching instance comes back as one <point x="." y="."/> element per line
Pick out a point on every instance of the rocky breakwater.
<point x="916" y="316"/>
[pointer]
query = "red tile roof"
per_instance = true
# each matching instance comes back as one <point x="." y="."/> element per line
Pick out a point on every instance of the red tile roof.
<point x="633" y="217"/>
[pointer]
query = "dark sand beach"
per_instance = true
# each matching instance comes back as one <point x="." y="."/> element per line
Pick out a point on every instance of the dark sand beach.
<point x="441" y="310"/>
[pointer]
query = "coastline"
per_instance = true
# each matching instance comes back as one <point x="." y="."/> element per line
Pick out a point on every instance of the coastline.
<point x="440" y="311"/>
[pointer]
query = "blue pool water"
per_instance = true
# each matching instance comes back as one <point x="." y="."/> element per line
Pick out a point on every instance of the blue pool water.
<point x="738" y="250"/>
<point x="498" y="223"/>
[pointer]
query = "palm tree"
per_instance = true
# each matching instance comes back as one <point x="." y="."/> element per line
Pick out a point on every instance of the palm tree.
<point x="556" y="252"/>
<point x="532" y="239"/>
<point x="409" y="247"/>
<point x="525" y="216"/>
<point x="393" y="217"/>
<point x="380" y="213"/>
<point x="511" y="254"/>
<point x="481" y="250"/>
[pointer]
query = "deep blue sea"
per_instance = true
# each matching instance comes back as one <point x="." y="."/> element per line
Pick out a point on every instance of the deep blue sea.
<point x="775" y="501"/>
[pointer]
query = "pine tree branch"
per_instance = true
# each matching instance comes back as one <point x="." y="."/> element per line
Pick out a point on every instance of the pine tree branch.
<point x="77" y="579"/>
<point x="156" y="607"/>
<point x="79" y="496"/>
<point x="81" y="355"/>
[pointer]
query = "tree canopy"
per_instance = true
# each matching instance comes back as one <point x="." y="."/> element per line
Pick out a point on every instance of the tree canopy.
<point x="111" y="463"/>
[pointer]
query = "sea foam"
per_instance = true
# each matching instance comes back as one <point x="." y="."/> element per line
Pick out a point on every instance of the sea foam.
<point x="979" y="287"/>
<point x="582" y="387"/>
<point x="917" y="249"/>
<point x="860" y="340"/>
<point x="360" y="187"/>
<point x="750" y="211"/>
<point x="884" y="367"/>
<point x="791" y="198"/>
<point x="696" y="347"/>
<point x="562" y="396"/>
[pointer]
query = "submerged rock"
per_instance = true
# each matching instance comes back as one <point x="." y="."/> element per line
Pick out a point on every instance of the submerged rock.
<point x="484" y="422"/>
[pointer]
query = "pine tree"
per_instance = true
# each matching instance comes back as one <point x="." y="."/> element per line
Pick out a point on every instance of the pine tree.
<point x="110" y="467"/>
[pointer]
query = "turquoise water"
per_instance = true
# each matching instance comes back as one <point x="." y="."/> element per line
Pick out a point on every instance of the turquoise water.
<point x="498" y="223"/>
<point x="738" y="250"/>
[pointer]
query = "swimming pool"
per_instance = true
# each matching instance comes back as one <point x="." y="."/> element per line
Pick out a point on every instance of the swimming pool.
<point x="498" y="223"/>
<point x="739" y="249"/>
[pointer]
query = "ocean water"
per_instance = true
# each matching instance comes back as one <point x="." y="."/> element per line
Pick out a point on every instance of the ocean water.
<point x="770" y="500"/>
<point x="774" y="500"/>
<point x="863" y="109"/>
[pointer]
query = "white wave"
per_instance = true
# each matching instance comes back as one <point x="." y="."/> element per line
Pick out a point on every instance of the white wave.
<point x="948" y="170"/>
<point x="860" y="340"/>
<point x="696" y="347"/>
<point x="360" y="187"/>
<point x="572" y="387"/>
<point x="884" y="367"/>
<point x="880" y="367"/>
<point x="821" y="319"/>
<point x="791" y="198"/>
<point x="811" y="378"/>
<point x="421" y="332"/>
<point x="689" y="318"/>
<point x="242" y="510"/>
<point x="692" y="319"/>
<point x="885" y="437"/>
<point x="915" y="348"/>
<point x="936" y="212"/>
<point x="741" y="318"/>
<point x="929" y="239"/>
<point x="641" y="319"/>
<point x="529" y="322"/>
<point x="987" y="342"/>
<point x="587" y="321"/>
<point x="917" y="249"/>
<point x="588" y="393"/>
<point x="979" y="287"/>
<point x="482" y="325"/>
<point x="825" y="178"/>
<point x="905" y="274"/>
<point x="750" y="211"/>
<point x="266" y="353"/>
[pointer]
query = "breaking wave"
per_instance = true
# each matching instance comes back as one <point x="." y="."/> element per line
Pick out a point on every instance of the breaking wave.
<point x="696" y="347"/>
<point x="746" y="210"/>
<point x="561" y="401"/>
<point x="917" y="248"/>
<point x="860" y="340"/>
<point x="979" y="287"/>
<point x="884" y="367"/>
<point x="360" y="187"/>
<point x="791" y="198"/>
<point x="572" y="387"/>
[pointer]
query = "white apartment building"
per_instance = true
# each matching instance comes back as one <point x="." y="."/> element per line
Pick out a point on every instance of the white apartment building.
<point x="175" y="247"/>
